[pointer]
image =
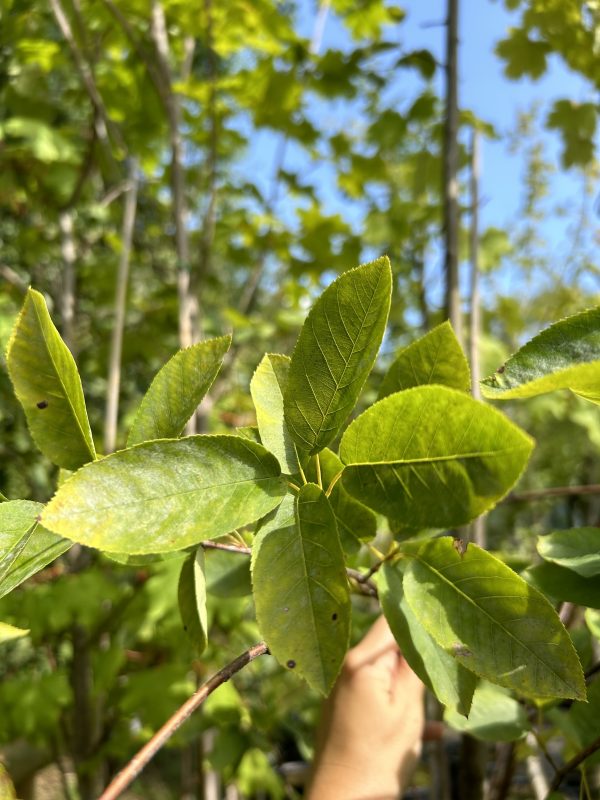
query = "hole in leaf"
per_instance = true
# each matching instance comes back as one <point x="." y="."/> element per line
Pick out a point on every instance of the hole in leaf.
<point x="42" y="404"/>
<point x="291" y="663"/>
<point x="334" y="617"/>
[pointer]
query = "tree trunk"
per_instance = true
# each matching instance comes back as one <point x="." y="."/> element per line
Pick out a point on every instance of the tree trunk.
<point x="116" y="347"/>
<point x="451" y="212"/>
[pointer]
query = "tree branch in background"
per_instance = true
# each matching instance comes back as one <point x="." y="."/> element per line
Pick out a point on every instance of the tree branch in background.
<point x="160" y="738"/>
<point x="555" y="491"/>
<point x="67" y="294"/>
<point x="116" y="346"/>
<point x="450" y="172"/>
<point x="104" y="128"/>
<point x="577" y="759"/>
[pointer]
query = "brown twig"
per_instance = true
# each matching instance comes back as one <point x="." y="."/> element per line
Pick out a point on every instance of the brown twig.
<point x="554" y="491"/>
<point x="573" y="764"/>
<point x="231" y="548"/>
<point x="364" y="584"/>
<point x="147" y="753"/>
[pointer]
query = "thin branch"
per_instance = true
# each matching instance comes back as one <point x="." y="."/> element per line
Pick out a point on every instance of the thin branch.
<point x="555" y="491"/>
<point x="230" y="548"/>
<point x="104" y="126"/>
<point x="126" y="777"/>
<point x="12" y="277"/>
<point x="365" y="586"/>
<point x="573" y="764"/>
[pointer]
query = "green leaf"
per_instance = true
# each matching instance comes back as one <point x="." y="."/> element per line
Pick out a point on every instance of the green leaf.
<point x="452" y="684"/>
<point x="25" y="547"/>
<point x="267" y="387"/>
<point x="491" y="620"/>
<point x="177" y="390"/>
<point x="435" y="358"/>
<point x="300" y="588"/>
<point x="166" y="495"/>
<point x="3" y="498"/>
<point x="249" y="432"/>
<point x="564" y="356"/>
<point x="227" y="574"/>
<point x="592" y="620"/>
<point x="48" y="386"/>
<point x="335" y="352"/>
<point x="560" y="583"/>
<point x="9" y="632"/>
<point x="495" y="716"/>
<point x="577" y="549"/>
<point x="356" y="523"/>
<point x="432" y="457"/>
<point x="192" y="599"/>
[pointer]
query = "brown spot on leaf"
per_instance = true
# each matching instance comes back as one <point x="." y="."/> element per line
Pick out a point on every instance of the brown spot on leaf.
<point x="285" y="609"/>
<point x="501" y="369"/>
<point x="42" y="404"/>
<point x="290" y="664"/>
<point x="460" y="546"/>
<point x="334" y="617"/>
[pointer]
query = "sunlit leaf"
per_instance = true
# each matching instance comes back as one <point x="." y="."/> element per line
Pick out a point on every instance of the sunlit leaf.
<point x="25" y="546"/>
<point x="335" y="352"/>
<point x="435" y="358"/>
<point x="452" y="684"/>
<point x="167" y="495"/>
<point x="577" y="549"/>
<point x="267" y="387"/>
<point x="432" y="457"/>
<point x="564" y="356"/>
<point x="9" y="632"/>
<point x="300" y="588"/>
<point x="177" y="390"/>
<point x="492" y="621"/>
<point x="48" y="386"/>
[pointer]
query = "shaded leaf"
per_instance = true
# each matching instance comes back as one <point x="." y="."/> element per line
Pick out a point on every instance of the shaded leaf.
<point x="560" y="583"/>
<point x="267" y="387"/>
<point x="25" y="547"/>
<point x="227" y="574"/>
<point x="300" y="588"/>
<point x="495" y="716"/>
<point x="335" y="352"/>
<point x="177" y="390"/>
<point x="452" y="684"/>
<point x="356" y="523"/>
<point x="432" y="457"/>
<point x="166" y="495"/>
<point x="564" y="356"/>
<point x="492" y="621"/>
<point x="48" y="386"/>
<point x="577" y="549"/>
<point x="436" y="357"/>
<point x="191" y="594"/>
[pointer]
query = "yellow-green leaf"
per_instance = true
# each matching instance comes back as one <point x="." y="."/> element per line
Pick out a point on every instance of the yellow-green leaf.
<point x="564" y="356"/>
<point x="432" y="457"/>
<point x="177" y="390"/>
<point x="491" y="620"/>
<point x="192" y="599"/>
<point x="436" y="357"/>
<point x="300" y="588"/>
<point x="48" y="386"/>
<point x="335" y="352"/>
<point x="167" y="494"/>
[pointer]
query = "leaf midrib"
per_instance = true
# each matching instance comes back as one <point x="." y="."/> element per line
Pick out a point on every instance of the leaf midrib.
<point x="438" y="459"/>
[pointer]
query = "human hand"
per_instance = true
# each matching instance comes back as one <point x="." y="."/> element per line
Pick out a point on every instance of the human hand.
<point x="369" y="740"/>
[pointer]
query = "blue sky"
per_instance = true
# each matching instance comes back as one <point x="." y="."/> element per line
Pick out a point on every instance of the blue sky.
<point x="485" y="91"/>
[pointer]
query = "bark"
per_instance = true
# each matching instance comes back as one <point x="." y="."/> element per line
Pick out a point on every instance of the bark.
<point x="67" y="295"/>
<point x="116" y="347"/>
<point x="451" y="211"/>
